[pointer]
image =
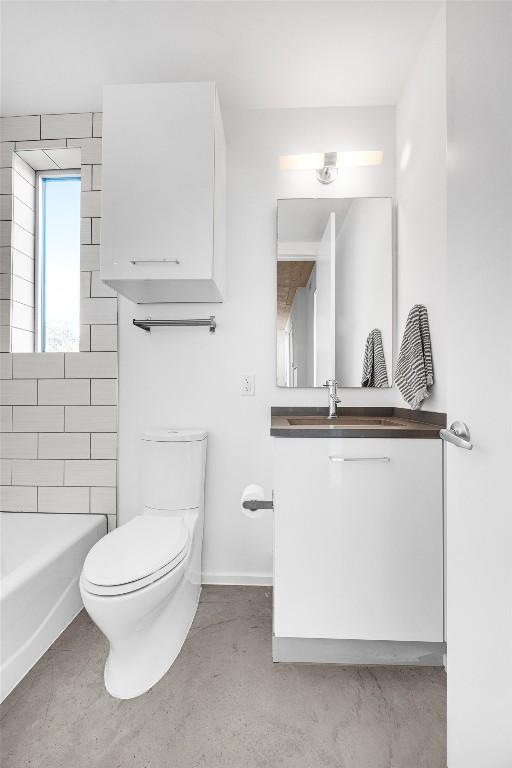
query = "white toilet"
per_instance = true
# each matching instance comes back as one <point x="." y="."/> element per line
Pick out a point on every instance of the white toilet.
<point x="141" y="583"/>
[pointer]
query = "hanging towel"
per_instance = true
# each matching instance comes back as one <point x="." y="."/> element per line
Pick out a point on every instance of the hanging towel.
<point x="375" y="373"/>
<point x="414" y="370"/>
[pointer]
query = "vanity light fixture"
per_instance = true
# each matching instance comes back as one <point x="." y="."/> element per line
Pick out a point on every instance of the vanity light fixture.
<point x="326" y="164"/>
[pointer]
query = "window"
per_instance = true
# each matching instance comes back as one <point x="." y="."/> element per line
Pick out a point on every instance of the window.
<point x="58" y="261"/>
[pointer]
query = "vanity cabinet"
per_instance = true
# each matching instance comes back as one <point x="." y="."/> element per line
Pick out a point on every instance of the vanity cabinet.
<point x="163" y="200"/>
<point x="358" y="539"/>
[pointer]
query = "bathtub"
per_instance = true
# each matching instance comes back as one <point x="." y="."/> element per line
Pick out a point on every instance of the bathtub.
<point x="41" y="560"/>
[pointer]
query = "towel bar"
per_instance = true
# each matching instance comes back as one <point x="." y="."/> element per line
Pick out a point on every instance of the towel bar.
<point x="147" y="324"/>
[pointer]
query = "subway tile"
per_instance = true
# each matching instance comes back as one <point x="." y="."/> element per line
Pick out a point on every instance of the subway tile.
<point x="39" y="365"/>
<point x="6" y="207"/>
<point x="23" y="266"/>
<point x="103" y="501"/>
<point x="63" y="500"/>
<point x="5" y="288"/>
<point x="5" y="233"/>
<point x="37" y="472"/>
<point x="20" y="128"/>
<point x="103" y="445"/>
<point x="41" y="144"/>
<point x="90" y="204"/>
<point x="5" y="181"/>
<point x="24" y="216"/>
<point x="18" y="392"/>
<point x="96" y="176"/>
<point x="5" y="338"/>
<point x="96" y="231"/>
<point x="85" y="338"/>
<point x="5" y="312"/>
<point x="85" y="233"/>
<point x="22" y="317"/>
<point x="65" y="445"/>
<point x="98" y="311"/>
<point x="16" y="446"/>
<point x="91" y="418"/>
<point x="85" y="284"/>
<point x="22" y="341"/>
<point x="5" y="419"/>
<point x="6" y="150"/>
<point x="5" y="365"/>
<point x="86" y="178"/>
<point x="103" y="338"/>
<point x="89" y="257"/>
<point x="5" y="259"/>
<point x="99" y="288"/>
<point x="97" y="124"/>
<point x="22" y="240"/>
<point x="23" y="291"/>
<point x="25" y="171"/>
<point x="97" y="365"/>
<point x="91" y="150"/>
<point x="103" y="391"/>
<point x="22" y="188"/>
<point x="111" y="521"/>
<point x="64" y="392"/>
<point x="74" y="125"/>
<point x="5" y="471"/>
<point x="38" y="418"/>
<point x="18" y="499"/>
<point x="82" y="472"/>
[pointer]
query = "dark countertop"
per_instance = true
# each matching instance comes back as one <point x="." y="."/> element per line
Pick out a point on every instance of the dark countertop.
<point x="353" y="422"/>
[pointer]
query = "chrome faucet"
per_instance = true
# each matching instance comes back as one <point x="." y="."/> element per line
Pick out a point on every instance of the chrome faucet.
<point x="333" y="398"/>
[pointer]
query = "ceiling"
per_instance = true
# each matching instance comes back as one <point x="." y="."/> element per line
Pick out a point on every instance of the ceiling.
<point x="305" y="219"/>
<point x="290" y="276"/>
<point x="262" y="54"/>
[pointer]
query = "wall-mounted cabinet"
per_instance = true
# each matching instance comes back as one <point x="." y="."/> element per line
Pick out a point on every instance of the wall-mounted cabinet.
<point x="164" y="179"/>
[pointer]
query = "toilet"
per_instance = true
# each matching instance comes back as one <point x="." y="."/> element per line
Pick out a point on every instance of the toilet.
<point x="141" y="583"/>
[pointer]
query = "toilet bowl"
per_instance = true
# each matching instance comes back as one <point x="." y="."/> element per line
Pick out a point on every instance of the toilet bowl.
<point x="141" y="583"/>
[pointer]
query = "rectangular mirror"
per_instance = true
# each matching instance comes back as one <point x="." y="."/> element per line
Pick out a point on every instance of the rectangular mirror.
<point x="334" y="292"/>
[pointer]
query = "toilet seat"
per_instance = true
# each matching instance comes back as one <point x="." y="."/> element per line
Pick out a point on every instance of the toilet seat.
<point x="135" y="555"/>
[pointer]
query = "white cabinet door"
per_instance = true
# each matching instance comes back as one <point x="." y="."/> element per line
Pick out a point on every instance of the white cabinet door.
<point x="163" y="188"/>
<point x="358" y="546"/>
<point x="325" y="316"/>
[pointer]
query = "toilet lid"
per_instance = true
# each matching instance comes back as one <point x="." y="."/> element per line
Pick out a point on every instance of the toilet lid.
<point x="136" y="550"/>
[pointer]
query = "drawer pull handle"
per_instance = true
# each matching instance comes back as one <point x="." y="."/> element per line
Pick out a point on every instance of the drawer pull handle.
<point x="360" y="458"/>
<point x="154" y="261"/>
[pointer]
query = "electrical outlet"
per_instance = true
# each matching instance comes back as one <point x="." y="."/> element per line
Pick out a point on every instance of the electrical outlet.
<point x="247" y="385"/>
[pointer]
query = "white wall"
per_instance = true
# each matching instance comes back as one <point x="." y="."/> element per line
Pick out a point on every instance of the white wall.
<point x="480" y="286"/>
<point x="421" y="199"/>
<point x="364" y="286"/>
<point x="190" y="377"/>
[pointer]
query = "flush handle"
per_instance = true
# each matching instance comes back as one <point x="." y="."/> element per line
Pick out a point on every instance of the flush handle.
<point x="458" y="435"/>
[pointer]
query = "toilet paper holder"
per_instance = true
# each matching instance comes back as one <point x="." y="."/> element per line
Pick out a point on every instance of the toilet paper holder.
<point x="254" y="504"/>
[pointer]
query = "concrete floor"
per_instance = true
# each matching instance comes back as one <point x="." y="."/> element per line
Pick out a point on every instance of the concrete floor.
<point x="223" y="704"/>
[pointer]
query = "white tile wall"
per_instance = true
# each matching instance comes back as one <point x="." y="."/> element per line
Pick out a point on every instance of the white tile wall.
<point x="58" y="414"/>
<point x="18" y="499"/>
<point x="64" y="392"/>
<point x="66" y="445"/>
<point x="38" y="418"/>
<point x="37" y="472"/>
<point x="63" y="499"/>
<point x="91" y="418"/>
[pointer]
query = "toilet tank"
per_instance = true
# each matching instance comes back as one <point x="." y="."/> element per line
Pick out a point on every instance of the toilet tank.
<point x="173" y="469"/>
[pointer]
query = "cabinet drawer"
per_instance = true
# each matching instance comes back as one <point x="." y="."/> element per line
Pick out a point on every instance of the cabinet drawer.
<point x="358" y="539"/>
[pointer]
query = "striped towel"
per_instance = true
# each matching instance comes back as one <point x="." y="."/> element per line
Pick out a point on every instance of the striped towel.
<point x="375" y="373"/>
<point x="414" y="370"/>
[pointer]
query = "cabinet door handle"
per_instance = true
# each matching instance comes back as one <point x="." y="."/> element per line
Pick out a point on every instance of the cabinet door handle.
<point x="360" y="458"/>
<point x="154" y="261"/>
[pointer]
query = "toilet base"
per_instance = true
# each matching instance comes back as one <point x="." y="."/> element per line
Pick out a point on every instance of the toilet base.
<point x="137" y="664"/>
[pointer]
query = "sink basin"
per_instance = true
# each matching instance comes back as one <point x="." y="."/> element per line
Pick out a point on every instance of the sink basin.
<point x="345" y="421"/>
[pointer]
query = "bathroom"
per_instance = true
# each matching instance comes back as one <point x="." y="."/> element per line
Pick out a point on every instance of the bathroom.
<point x="293" y="78"/>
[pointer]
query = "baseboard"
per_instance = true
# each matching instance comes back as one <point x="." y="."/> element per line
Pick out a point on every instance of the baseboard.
<point x="238" y="579"/>
<point x="357" y="652"/>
